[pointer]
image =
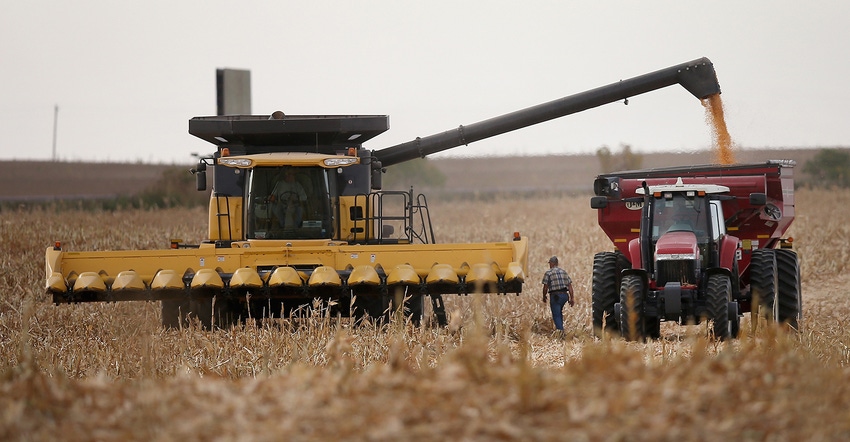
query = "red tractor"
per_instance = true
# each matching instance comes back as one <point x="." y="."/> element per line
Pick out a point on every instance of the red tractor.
<point x="694" y="244"/>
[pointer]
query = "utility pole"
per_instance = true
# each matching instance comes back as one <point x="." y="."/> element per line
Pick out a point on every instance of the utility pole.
<point x="55" y="123"/>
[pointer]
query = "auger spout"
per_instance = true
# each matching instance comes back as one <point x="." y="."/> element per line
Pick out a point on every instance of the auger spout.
<point x="697" y="76"/>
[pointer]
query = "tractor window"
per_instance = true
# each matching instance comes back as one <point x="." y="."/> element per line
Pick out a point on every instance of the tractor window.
<point x="717" y="221"/>
<point x="288" y="203"/>
<point x="674" y="212"/>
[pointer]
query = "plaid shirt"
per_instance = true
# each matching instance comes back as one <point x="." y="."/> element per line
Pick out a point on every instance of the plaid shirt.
<point x="557" y="279"/>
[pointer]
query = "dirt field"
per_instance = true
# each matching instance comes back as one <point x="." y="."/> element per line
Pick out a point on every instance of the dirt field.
<point x="110" y="372"/>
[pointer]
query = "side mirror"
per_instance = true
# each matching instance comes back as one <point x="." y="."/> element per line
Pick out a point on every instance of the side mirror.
<point x="376" y="175"/>
<point x="200" y="176"/>
<point x="607" y="187"/>
<point x="598" y="202"/>
<point x="758" y="199"/>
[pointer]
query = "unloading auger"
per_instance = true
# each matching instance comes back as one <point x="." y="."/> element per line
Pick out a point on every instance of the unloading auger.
<point x="297" y="213"/>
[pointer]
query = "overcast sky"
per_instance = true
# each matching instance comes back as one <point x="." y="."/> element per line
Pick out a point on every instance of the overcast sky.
<point x="128" y="75"/>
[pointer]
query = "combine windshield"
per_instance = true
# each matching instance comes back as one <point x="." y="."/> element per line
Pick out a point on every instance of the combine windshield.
<point x="288" y="203"/>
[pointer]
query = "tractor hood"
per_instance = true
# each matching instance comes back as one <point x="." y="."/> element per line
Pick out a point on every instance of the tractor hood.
<point x="680" y="245"/>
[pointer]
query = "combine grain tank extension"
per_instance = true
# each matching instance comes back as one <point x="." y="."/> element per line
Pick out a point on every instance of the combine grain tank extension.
<point x="297" y="214"/>
<point x="695" y="243"/>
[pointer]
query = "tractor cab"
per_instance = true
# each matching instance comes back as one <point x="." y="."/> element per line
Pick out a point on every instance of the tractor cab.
<point x="682" y="226"/>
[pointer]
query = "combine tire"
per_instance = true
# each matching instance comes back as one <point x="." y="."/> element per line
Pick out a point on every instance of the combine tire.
<point x="372" y="304"/>
<point x="789" y="307"/>
<point x="763" y="283"/>
<point x="718" y="294"/>
<point x="180" y="312"/>
<point x="414" y="309"/>
<point x="605" y="291"/>
<point x="173" y="310"/>
<point x="631" y="308"/>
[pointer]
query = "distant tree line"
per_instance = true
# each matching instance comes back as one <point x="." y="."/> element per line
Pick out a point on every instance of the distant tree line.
<point x="417" y="173"/>
<point x="625" y="159"/>
<point x="829" y="168"/>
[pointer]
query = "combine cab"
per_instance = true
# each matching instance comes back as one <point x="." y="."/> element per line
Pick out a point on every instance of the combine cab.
<point x="693" y="244"/>
<point x="298" y="213"/>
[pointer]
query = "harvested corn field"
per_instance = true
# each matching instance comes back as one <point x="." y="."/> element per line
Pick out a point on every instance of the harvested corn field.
<point x="110" y="371"/>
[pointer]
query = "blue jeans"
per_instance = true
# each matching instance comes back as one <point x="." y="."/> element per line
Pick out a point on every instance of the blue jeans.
<point x="556" y="303"/>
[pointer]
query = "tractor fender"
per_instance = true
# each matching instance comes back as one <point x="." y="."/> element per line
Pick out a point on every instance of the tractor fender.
<point x="634" y="253"/>
<point x="640" y="272"/>
<point x="715" y="270"/>
<point x="728" y="251"/>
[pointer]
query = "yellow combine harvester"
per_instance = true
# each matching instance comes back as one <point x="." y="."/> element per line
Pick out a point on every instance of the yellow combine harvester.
<point x="297" y="214"/>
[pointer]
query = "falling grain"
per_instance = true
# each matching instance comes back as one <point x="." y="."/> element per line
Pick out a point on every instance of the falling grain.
<point x="721" y="140"/>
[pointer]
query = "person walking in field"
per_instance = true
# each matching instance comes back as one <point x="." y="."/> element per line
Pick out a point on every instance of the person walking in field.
<point x="558" y="285"/>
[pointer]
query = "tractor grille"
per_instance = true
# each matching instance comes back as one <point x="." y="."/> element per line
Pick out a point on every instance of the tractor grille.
<point x="682" y="271"/>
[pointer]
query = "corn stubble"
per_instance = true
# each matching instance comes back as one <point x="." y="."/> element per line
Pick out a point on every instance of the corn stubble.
<point x="109" y="371"/>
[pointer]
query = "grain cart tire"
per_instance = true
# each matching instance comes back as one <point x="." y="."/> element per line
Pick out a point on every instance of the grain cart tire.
<point x="790" y="300"/>
<point x="605" y="292"/>
<point x="763" y="283"/>
<point x="631" y="308"/>
<point x="718" y="294"/>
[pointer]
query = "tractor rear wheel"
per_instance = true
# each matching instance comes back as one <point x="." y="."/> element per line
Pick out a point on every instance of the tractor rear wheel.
<point x="631" y="308"/>
<point x="789" y="306"/>
<point x="718" y="294"/>
<point x="763" y="283"/>
<point x="605" y="291"/>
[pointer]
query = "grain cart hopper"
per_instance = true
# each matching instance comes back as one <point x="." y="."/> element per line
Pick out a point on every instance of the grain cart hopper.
<point x="339" y="237"/>
<point x="695" y="243"/>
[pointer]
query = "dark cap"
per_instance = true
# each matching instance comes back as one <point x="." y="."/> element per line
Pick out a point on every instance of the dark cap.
<point x="554" y="259"/>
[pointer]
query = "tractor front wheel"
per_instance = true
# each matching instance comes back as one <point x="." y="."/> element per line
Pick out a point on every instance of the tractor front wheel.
<point x="718" y="295"/>
<point x="631" y="308"/>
